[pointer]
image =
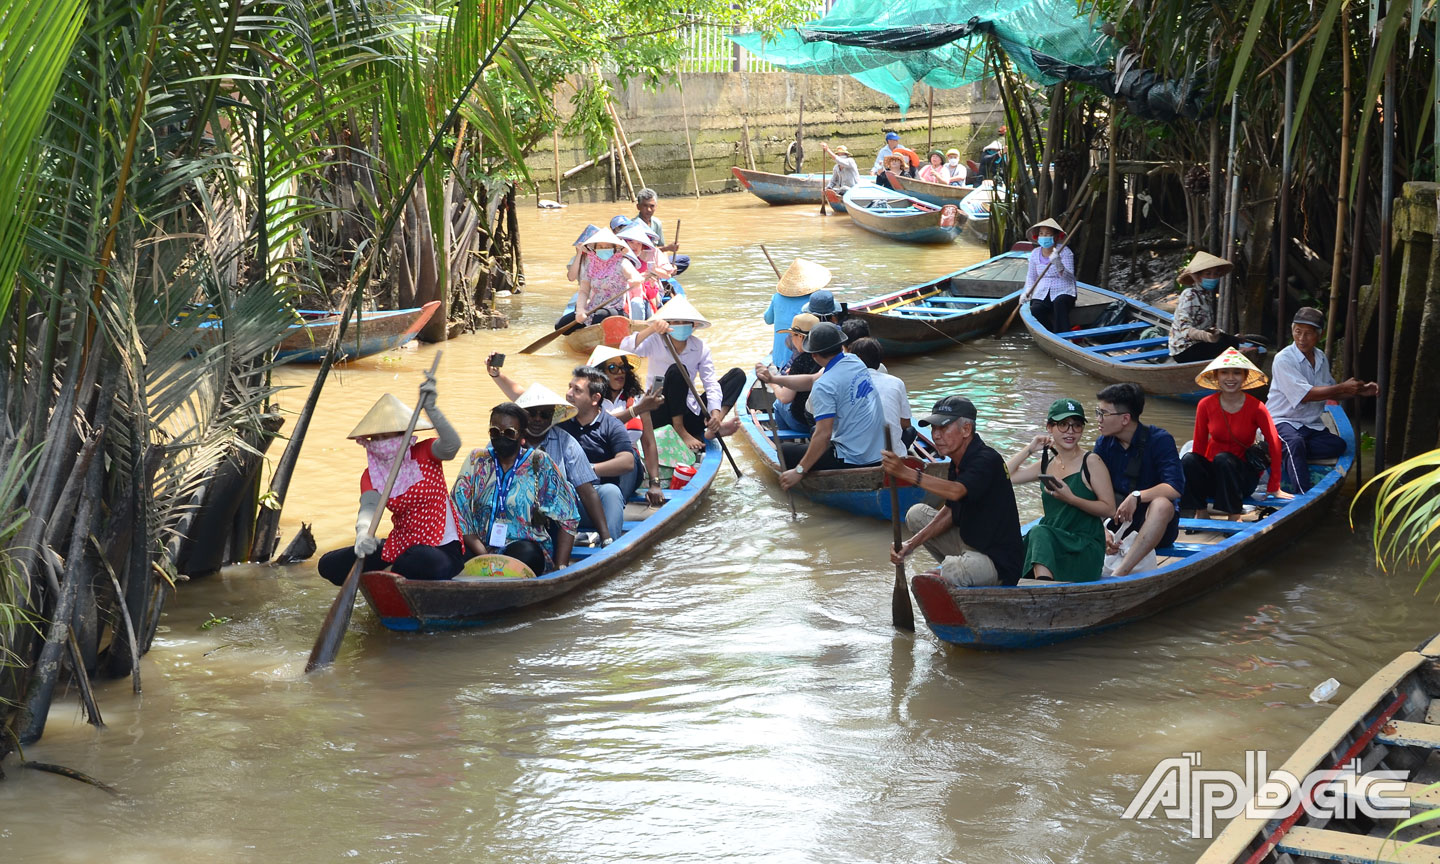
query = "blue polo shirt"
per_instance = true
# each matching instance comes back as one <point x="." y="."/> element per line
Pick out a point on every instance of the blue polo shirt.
<point x="1159" y="463"/>
<point x="846" y="392"/>
<point x="604" y="439"/>
<point x="563" y="450"/>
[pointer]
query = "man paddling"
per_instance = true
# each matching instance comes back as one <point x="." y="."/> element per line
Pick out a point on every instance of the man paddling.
<point x="645" y="203"/>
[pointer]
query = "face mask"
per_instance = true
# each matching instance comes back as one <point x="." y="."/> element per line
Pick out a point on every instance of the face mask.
<point x="954" y="162"/>
<point x="1209" y="284"/>
<point x="682" y="331"/>
<point x="604" y="254"/>
<point x="1046" y="242"/>
<point x="505" y="447"/>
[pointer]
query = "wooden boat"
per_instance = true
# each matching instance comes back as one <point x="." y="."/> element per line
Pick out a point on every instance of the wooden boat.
<point x="1392" y="722"/>
<point x="1130" y="343"/>
<point x="1041" y="612"/>
<point x="835" y="200"/>
<point x="368" y="333"/>
<point x="585" y="339"/>
<point x="897" y="216"/>
<point x="968" y="303"/>
<point x="406" y="604"/>
<point x="976" y="207"/>
<point x="781" y="188"/>
<point x="856" y="490"/>
<point x="933" y="193"/>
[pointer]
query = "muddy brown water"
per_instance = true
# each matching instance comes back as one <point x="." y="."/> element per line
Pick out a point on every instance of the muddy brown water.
<point x="737" y="696"/>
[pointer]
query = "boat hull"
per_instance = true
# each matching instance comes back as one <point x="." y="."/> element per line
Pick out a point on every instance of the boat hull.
<point x="1031" y="615"/>
<point x="940" y="313"/>
<point x="854" y="490"/>
<point x="1103" y="360"/>
<point x="932" y="193"/>
<point x="367" y="334"/>
<point x="901" y="218"/>
<point x="412" y="604"/>
<point x="781" y="188"/>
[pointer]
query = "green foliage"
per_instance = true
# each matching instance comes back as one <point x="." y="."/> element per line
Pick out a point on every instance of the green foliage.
<point x="1407" y="514"/>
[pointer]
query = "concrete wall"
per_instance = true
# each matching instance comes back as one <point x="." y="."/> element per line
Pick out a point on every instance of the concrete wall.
<point x="838" y="110"/>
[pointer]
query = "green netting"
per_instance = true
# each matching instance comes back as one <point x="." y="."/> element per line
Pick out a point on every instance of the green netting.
<point x="891" y="46"/>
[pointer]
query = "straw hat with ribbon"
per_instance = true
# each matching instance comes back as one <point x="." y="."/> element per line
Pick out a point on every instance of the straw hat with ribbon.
<point x="388" y="416"/>
<point x="540" y="396"/>
<point x="802" y="278"/>
<point x="604" y="353"/>
<point x="1232" y="359"/>
<point x="677" y="308"/>
<point x="1189" y="275"/>
<point x="1048" y="223"/>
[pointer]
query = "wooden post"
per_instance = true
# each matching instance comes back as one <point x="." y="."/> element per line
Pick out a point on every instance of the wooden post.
<point x="1387" y="206"/>
<point x="1342" y="195"/>
<point x="1282" y="327"/>
<point x="745" y="132"/>
<point x="1212" y="216"/>
<point x="1112" y="180"/>
<point x="930" y="125"/>
<point x="690" y="151"/>
<point x="799" y="142"/>
<point x="555" y="144"/>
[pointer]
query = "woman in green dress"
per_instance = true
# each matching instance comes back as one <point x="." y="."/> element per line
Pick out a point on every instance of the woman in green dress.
<point x="1069" y="542"/>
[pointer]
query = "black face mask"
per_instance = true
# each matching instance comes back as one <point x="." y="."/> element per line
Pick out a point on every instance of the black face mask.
<point x="505" y="447"/>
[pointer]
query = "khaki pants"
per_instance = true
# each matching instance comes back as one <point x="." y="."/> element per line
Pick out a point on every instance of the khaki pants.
<point x="958" y="563"/>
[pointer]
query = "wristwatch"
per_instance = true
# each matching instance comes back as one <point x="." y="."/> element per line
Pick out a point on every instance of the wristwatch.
<point x="1136" y="496"/>
<point x="799" y="469"/>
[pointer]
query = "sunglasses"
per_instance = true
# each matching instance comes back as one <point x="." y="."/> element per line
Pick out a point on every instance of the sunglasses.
<point x="612" y="368"/>
<point x="1101" y="414"/>
<point x="497" y="432"/>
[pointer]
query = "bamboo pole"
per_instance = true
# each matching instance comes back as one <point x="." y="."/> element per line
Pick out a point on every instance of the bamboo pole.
<point x="1212" y="208"/>
<point x="555" y="148"/>
<point x="1227" y="287"/>
<point x="689" y="150"/>
<point x="1111" y="181"/>
<point x="1357" y="248"/>
<point x="624" y="166"/>
<point x="1382" y="310"/>
<point x="1342" y="195"/>
<point x="1281" y="325"/>
<point x="624" y="139"/>
<point x="607" y="155"/>
<point x="745" y="130"/>
<point x="930" y="124"/>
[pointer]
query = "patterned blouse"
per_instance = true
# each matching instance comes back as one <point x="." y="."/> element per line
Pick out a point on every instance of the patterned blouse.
<point x="531" y="493"/>
<point x="422" y="514"/>
<point x="1195" y="309"/>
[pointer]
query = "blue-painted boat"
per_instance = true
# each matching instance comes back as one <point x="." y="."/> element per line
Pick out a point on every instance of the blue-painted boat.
<point x="899" y="217"/>
<point x="368" y="333"/>
<point x="835" y="199"/>
<point x="464" y="602"/>
<point x="976" y="207"/>
<point x="855" y="490"/>
<point x="1207" y="553"/>
<point x="1119" y="338"/>
<point x="944" y="312"/>
<point x="781" y="188"/>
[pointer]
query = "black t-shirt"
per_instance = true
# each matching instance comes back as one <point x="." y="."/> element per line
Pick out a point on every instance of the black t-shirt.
<point x="987" y="517"/>
<point x="801" y="364"/>
<point x="602" y="440"/>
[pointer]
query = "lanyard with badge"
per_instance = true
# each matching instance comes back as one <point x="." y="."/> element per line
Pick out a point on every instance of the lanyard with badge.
<point x="498" y="526"/>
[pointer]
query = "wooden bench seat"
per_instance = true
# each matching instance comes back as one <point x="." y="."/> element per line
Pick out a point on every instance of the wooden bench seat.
<point x="1354" y="848"/>
<point x="1105" y="331"/>
<point x="1405" y="733"/>
<point x="1142" y="355"/>
<point x="923" y="311"/>
<point x="1152" y="342"/>
<point x="968" y="301"/>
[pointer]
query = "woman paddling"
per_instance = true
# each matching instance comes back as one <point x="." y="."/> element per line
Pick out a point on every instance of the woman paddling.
<point x="1050" y="279"/>
<point x="424" y="541"/>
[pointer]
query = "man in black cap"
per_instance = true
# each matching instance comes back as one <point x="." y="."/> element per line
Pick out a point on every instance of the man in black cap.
<point x="1300" y="384"/>
<point x="849" y="421"/>
<point x="976" y="535"/>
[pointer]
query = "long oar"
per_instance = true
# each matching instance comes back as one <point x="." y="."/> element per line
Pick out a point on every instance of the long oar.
<point x="1053" y="257"/>
<point x="780" y="455"/>
<point x="551" y="337"/>
<point x="902" y="614"/>
<point x="771" y="260"/>
<point x="327" y="645"/>
<point x="700" y="396"/>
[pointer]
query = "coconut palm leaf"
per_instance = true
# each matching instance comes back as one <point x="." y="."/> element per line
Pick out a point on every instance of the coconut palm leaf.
<point x="1407" y="514"/>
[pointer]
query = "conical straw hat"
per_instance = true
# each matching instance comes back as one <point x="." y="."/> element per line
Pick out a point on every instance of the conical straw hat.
<point x="1202" y="261"/>
<point x="1232" y="359"/>
<point x="388" y="415"/>
<point x="604" y="235"/>
<point x="637" y="233"/>
<point x="802" y="278"/>
<point x="603" y="353"/>
<point x="1048" y="223"/>
<point x="677" y="308"/>
<point x="538" y="395"/>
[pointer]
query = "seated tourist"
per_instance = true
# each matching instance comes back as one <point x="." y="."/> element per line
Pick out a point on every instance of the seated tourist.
<point x="676" y="323"/>
<point x="975" y="533"/>
<point x="572" y="269"/>
<point x="954" y="171"/>
<point x="791" y="383"/>
<point x="1144" y="469"/>
<point x="627" y="401"/>
<point x="892" y="140"/>
<point x="933" y="171"/>
<point x="424" y="541"/>
<point x="896" y="164"/>
<point x="1069" y="542"/>
<point x="846" y="173"/>
<point x="856" y="329"/>
<point x="607" y="276"/>
<point x="894" y="398"/>
<point x="802" y="278"/>
<point x="508" y="494"/>
<point x="849" y="422"/>
<point x="1193" y="334"/>
<point x="822" y="305"/>
<point x="1300" y="385"/>
<point x="1223" y="463"/>
<point x="606" y="444"/>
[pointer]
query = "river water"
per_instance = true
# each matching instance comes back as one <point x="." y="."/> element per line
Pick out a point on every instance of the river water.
<point x="739" y="695"/>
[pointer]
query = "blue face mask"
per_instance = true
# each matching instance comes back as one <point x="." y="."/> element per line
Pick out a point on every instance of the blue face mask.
<point x="1045" y="241"/>
<point x="1209" y="284"/>
<point x="604" y="254"/>
<point x="682" y="331"/>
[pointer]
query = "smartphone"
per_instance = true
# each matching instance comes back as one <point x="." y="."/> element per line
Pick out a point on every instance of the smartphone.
<point x="657" y="383"/>
<point x="495" y="361"/>
<point x="1050" y="481"/>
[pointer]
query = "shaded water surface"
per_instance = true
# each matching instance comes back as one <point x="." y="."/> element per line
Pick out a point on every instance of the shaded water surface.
<point x="738" y="696"/>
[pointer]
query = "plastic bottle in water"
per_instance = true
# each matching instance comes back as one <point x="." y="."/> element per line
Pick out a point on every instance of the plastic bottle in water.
<point x="1324" y="690"/>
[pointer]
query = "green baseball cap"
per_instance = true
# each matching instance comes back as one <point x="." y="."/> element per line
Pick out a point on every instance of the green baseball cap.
<point x="1061" y="409"/>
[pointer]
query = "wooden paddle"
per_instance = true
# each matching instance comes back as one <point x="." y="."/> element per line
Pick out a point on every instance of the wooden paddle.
<point x="902" y="614"/>
<point x="337" y="620"/>
<point x="771" y="260"/>
<point x="699" y="395"/>
<point x="780" y="456"/>
<point x="1053" y="257"/>
<point x="551" y="337"/>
